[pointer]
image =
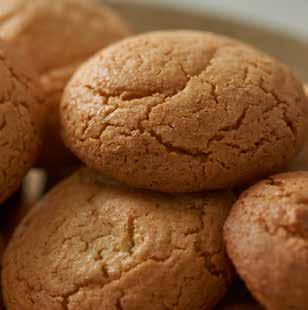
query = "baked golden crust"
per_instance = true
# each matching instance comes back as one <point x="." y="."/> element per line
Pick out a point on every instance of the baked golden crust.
<point x="106" y="247"/>
<point x="183" y="111"/>
<point x="21" y="118"/>
<point x="266" y="237"/>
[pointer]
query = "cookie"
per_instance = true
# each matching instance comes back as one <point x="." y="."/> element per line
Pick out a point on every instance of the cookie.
<point x="183" y="111"/>
<point x="107" y="247"/>
<point x="58" y="36"/>
<point x="266" y="237"/>
<point x="21" y="118"/>
<point x="300" y="162"/>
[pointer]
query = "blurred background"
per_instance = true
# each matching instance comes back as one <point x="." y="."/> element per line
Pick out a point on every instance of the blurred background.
<point x="288" y="16"/>
<point x="278" y="27"/>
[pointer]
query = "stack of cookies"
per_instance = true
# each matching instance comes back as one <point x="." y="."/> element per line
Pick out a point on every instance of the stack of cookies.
<point x="168" y="127"/>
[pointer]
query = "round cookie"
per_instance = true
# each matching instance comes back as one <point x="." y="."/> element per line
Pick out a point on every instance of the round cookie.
<point x="21" y="117"/>
<point x="106" y="247"/>
<point x="300" y="162"/>
<point x="266" y="237"/>
<point x="183" y="111"/>
<point x="58" y="36"/>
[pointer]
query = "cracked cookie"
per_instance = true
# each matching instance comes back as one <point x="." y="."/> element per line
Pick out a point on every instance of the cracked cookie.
<point x="75" y="30"/>
<point x="300" y="162"/>
<point x="107" y="247"/>
<point x="183" y="111"/>
<point x="21" y="118"/>
<point x="266" y="237"/>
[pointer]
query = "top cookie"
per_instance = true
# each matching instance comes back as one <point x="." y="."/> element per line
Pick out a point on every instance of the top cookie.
<point x="58" y="36"/>
<point x="183" y="111"/>
<point x="266" y="237"/>
<point x="21" y="118"/>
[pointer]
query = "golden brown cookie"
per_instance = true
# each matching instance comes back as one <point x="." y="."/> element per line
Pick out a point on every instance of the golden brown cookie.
<point x="300" y="162"/>
<point x="106" y="247"/>
<point x="183" y="111"/>
<point x="266" y="236"/>
<point x="58" y="36"/>
<point x="21" y="117"/>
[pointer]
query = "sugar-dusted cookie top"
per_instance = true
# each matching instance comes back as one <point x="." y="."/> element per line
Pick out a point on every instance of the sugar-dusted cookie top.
<point x="183" y="111"/>
<point x="267" y="239"/>
<point x="93" y="245"/>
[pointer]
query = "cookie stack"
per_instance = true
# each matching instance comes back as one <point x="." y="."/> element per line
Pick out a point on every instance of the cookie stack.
<point x="169" y="126"/>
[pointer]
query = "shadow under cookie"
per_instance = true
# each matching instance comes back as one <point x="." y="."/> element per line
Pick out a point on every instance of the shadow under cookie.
<point x="238" y="298"/>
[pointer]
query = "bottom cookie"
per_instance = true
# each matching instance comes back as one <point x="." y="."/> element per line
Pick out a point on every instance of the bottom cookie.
<point x="93" y="245"/>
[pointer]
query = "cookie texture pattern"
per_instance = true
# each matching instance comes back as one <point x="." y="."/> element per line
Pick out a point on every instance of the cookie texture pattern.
<point x="267" y="239"/>
<point x="58" y="36"/>
<point x="183" y="111"/>
<point x="21" y="118"/>
<point x="109" y="247"/>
